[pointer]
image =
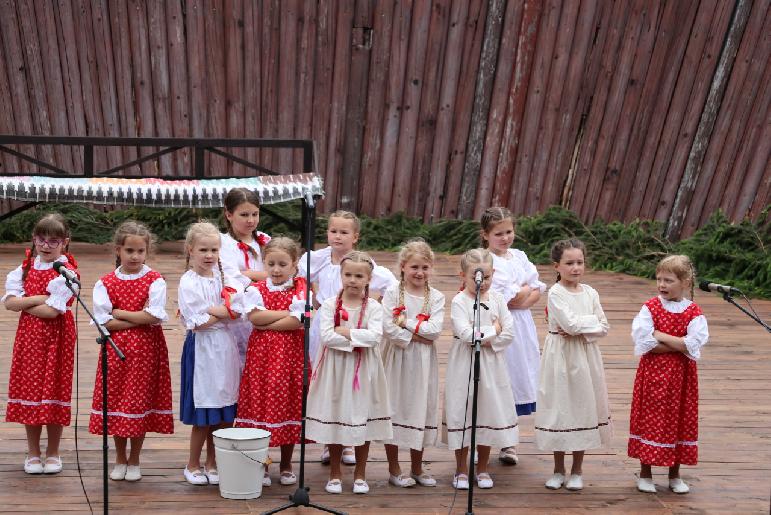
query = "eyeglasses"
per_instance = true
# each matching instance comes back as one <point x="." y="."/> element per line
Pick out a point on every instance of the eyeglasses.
<point x="51" y="244"/>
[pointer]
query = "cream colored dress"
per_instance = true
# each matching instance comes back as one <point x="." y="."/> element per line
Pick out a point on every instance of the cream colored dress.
<point x="412" y="370"/>
<point x="348" y="396"/>
<point x="573" y="413"/>
<point x="496" y="420"/>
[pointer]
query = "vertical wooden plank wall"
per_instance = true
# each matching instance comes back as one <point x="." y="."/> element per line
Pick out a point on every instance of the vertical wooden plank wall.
<point x="589" y="104"/>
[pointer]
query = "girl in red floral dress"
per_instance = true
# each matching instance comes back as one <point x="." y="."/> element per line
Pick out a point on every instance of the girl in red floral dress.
<point x="668" y="334"/>
<point x="130" y="302"/>
<point x="40" y="384"/>
<point x="270" y="395"/>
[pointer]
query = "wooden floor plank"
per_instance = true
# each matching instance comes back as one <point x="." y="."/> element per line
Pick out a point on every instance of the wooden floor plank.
<point x="735" y="416"/>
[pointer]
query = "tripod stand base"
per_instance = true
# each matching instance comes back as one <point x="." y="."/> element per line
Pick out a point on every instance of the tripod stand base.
<point x="299" y="498"/>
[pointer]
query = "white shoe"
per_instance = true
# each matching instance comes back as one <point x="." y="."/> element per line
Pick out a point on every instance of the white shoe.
<point x="287" y="477"/>
<point x="460" y="482"/>
<point x="334" y="486"/>
<point x="133" y="473"/>
<point x="325" y="456"/>
<point x="360" y="486"/>
<point x="424" y="479"/>
<point x="33" y="465"/>
<point x="484" y="480"/>
<point x="555" y="482"/>
<point x="195" y="477"/>
<point x="211" y="475"/>
<point x="508" y="455"/>
<point x="266" y="479"/>
<point x="402" y="481"/>
<point x="119" y="472"/>
<point x="53" y="465"/>
<point x="645" y="484"/>
<point x="349" y="456"/>
<point x="575" y="482"/>
<point x="679" y="486"/>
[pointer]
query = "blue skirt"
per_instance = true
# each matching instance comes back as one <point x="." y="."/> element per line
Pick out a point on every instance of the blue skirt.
<point x="189" y="414"/>
<point x="525" y="409"/>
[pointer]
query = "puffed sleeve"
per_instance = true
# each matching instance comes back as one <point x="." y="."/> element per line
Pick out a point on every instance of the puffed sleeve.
<point x="14" y="286"/>
<point x="461" y="322"/>
<point x="399" y="336"/>
<point x="252" y="300"/>
<point x="192" y="305"/>
<point x="370" y="335"/>
<point x="102" y="304"/>
<point x="329" y="337"/>
<point x="59" y="294"/>
<point x="531" y="276"/>
<point x="696" y="337"/>
<point x="504" y="339"/>
<point x="569" y="321"/>
<point x="642" y="332"/>
<point x="156" y="304"/>
<point x="319" y="260"/>
<point x="430" y="329"/>
<point x="382" y="279"/>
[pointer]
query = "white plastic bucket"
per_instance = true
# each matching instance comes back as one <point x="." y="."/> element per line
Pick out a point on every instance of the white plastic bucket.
<point x="241" y="452"/>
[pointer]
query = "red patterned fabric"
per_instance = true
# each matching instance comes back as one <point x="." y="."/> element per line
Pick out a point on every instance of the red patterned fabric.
<point x="270" y="394"/>
<point x="664" y="423"/>
<point x="40" y="383"/>
<point x="139" y="388"/>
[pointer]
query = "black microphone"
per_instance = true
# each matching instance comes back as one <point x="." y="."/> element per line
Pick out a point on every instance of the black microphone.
<point x="718" y="288"/>
<point x="66" y="272"/>
<point x="479" y="276"/>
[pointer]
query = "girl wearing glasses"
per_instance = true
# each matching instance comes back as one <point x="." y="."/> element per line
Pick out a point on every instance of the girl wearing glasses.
<point x="40" y="384"/>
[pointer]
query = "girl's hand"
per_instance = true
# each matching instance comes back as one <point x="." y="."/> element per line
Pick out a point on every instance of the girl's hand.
<point x="416" y="338"/>
<point x="219" y="312"/>
<point x="343" y="331"/>
<point x="497" y="326"/>
<point x="562" y="333"/>
<point x="117" y="314"/>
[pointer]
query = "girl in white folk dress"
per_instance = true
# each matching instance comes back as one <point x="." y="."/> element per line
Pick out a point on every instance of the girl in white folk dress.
<point x="131" y="303"/>
<point x="241" y="252"/>
<point x="413" y="318"/>
<point x="348" y="397"/>
<point x="342" y="234"/>
<point x="573" y="412"/>
<point x="210" y="362"/>
<point x="496" y="421"/>
<point x="516" y="278"/>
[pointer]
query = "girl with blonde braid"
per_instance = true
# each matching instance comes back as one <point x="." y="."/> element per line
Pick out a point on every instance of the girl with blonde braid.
<point x="210" y="361"/>
<point x="414" y="314"/>
<point x="348" y="397"/>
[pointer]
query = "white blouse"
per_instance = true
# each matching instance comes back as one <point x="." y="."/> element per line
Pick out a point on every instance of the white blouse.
<point x="156" y="304"/>
<point x="642" y="329"/>
<point x="492" y="309"/>
<point x="327" y="275"/>
<point x="512" y="271"/>
<point x="562" y="304"/>
<point x="369" y="335"/>
<point x="431" y="329"/>
<point x="197" y="294"/>
<point x="233" y="260"/>
<point x="59" y="293"/>
<point x="253" y="298"/>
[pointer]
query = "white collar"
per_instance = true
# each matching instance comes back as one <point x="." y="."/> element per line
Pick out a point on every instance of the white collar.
<point x="675" y="306"/>
<point x="43" y="265"/>
<point x="289" y="283"/>
<point x="130" y="277"/>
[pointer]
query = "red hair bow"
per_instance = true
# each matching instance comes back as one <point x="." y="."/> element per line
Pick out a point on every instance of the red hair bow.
<point x="262" y="239"/>
<point x="71" y="260"/>
<point x="398" y="310"/>
<point x="243" y="247"/>
<point x="226" y="293"/>
<point x="27" y="258"/>
<point x="421" y="317"/>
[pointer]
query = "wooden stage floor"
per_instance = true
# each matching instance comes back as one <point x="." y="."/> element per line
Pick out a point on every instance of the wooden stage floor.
<point x="735" y="416"/>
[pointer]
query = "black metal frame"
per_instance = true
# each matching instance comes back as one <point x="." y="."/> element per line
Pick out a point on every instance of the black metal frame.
<point x="200" y="146"/>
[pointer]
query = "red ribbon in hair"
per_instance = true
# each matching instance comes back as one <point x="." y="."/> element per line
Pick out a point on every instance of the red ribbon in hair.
<point x="243" y="247"/>
<point x="421" y="317"/>
<point x="226" y="293"/>
<point x="262" y="239"/>
<point x="27" y="258"/>
<point x="398" y="310"/>
<point x="71" y="260"/>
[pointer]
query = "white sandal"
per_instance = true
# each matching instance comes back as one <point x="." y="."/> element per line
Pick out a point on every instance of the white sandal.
<point x="402" y="481"/>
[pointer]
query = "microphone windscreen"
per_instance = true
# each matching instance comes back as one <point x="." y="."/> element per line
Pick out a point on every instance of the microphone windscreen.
<point x="704" y="285"/>
<point x="58" y="265"/>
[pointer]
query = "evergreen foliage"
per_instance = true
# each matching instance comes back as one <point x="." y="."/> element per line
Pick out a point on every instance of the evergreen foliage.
<point x="735" y="254"/>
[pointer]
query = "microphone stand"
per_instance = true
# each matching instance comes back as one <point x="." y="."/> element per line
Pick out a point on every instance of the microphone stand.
<point x="728" y="298"/>
<point x="477" y="343"/>
<point x="103" y="339"/>
<point x="301" y="496"/>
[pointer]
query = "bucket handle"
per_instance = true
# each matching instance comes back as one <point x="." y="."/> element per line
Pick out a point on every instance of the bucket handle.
<point x="265" y="463"/>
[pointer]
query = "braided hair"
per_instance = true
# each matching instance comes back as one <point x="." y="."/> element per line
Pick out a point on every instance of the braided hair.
<point x="492" y="217"/>
<point x="414" y="247"/>
<point x="681" y="266"/>
<point x="354" y="256"/>
<point x="131" y="228"/>
<point x="561" y="246"/>
<point x="195" y="231"/>
<point x="232" y="200"/>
